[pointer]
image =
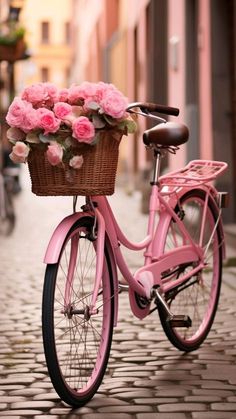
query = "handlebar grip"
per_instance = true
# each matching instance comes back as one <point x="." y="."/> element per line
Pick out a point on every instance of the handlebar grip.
<point x="153" y="107"/>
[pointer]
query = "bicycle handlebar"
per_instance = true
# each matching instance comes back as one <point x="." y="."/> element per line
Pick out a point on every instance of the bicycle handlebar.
<point x="147" y="107"/>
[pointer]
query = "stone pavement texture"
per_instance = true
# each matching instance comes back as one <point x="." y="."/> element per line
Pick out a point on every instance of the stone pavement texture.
<point x="146" y="378"/>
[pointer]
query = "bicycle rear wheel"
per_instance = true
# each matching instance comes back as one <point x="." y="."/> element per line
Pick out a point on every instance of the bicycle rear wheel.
<point x="198" y="297"/>
<point x="76" y="342"/>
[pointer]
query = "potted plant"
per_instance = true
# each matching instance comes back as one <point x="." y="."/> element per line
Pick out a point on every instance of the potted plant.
<point x="12" y="45"/>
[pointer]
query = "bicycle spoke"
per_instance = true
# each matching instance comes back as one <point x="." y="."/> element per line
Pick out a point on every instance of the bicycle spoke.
<point x="81" y="339"/>
<point x="197" y="298"/>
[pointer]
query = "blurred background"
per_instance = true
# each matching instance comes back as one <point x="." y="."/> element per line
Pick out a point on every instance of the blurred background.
<point x="176" y="52"/>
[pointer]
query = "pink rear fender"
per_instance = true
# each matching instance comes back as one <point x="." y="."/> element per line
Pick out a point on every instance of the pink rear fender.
<point x="213" y="195"/>
<point x="166" y="217"/>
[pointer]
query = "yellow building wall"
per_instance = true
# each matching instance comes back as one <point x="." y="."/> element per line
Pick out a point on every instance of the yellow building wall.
<point x="56" y="55"/>
<point x="117" y="66"/>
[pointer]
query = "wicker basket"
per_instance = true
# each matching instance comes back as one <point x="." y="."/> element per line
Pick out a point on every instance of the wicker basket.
<point x="95" y="177"/>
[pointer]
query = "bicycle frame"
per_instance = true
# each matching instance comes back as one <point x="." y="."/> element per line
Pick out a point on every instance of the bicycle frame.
<point x="155" y="262"/>
<point x="179" y="276"/>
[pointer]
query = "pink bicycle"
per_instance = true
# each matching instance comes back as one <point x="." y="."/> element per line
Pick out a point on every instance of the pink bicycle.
<point x="180" y="276"/>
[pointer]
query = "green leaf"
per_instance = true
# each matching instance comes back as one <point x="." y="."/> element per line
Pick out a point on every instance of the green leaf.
<point x="92" y="105"/>
<point x="111" y="121"/>
<point x="132" y="126"/>
<point x="128" y="125"/>
<point x="32" y="138"/>
<point x="96" y="139"/>
<point x="45" y="138"/>
<point x="15" y="134"/>
<point x="98" y="122"/>
<point x="69" y="141"/>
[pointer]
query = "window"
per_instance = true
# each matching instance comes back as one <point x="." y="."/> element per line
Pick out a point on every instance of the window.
<point x="67" y="75"/>
<point x="67" y="33"/>
<point x="45" y="32"/>
<point x="45" y="74"/>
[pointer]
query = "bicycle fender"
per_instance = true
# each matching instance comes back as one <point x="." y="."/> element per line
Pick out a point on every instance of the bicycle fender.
<point x="165" y="218"/>
<point x="55" y="244"/>
<point x="213" y="194"/>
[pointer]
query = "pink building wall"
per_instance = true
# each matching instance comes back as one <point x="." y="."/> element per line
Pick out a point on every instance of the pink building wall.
<point x="177" y="76"/>
<point x="176" y="69"/>
<point x="183" y="39"/>
<point x="137" y="22"/>
<point x="142" y="86"/>
<point x="205" y="99"/>
<point x="96" y="33"/>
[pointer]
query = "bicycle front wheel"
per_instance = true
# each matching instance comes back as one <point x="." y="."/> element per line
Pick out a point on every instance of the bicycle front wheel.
<point x="198" y="297"/>
<point x="77" y="342"/>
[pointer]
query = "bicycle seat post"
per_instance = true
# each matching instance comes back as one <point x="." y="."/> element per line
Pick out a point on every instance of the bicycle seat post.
<point x="157" y="167"/>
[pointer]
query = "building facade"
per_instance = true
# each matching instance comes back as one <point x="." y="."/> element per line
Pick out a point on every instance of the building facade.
<point x="49" y="49"/>
<point x="180" y="53"/>
<point x="50" y="39"/>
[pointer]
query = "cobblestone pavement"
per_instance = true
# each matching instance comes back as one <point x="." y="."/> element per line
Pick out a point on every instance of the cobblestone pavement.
<point x="147" y="378"/>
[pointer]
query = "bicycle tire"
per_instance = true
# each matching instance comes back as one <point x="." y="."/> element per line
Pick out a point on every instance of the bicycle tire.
<point x="200" y="300"/>
<point x="77" y="346"/>
<point x="7" y="214"/>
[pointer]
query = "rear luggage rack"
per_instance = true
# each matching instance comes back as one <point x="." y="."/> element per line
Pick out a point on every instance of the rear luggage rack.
<point x="196" y="172"/>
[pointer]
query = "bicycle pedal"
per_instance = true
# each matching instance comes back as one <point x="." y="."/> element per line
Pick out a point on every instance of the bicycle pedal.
<point x="179" y="321"/>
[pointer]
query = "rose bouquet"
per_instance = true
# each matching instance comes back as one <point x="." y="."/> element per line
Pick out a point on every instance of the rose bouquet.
<point x="57" y="121"/>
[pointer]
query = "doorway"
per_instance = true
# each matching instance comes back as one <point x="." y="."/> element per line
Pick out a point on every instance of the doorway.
<point x="192" y="105"/>
<point x="224" y="95"/>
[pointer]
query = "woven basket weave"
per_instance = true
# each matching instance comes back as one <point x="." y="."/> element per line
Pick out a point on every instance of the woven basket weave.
<point x="95" y="177"/>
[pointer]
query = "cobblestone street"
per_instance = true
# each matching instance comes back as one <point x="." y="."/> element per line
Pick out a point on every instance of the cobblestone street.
<point x="146" y="378"/>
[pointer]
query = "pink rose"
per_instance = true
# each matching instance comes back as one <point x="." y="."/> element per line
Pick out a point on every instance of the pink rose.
<point x="30" y="120"/>
<point x="19" y="152"/>
<point x="104" y="89"/>
<point x="85" y="91"/>
<point x="34" y="94"/>
<point x="76" y="162"/>
<point x="15" y="112"/>
<point x="51" y="93"/>
<point x="47" y="120"/>
<point x="54" y="154"/>
<point x="63" y="95"/>
<point x="22" y="115"/>
<point x="83" y="130"/>
<point x="74" y="95"/>
<point x="40" y="94"/>
<point x="62" y="110"/>
<point x="114" y="104"/>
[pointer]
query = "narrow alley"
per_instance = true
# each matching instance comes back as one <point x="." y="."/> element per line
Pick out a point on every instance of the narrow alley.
<point x="146" y="377"/>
